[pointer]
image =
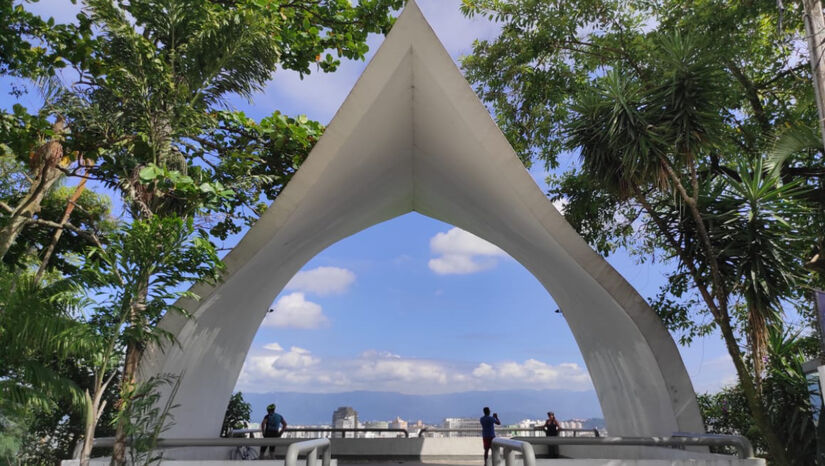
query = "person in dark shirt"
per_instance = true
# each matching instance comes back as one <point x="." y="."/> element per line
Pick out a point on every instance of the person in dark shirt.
<point x="551" y="429"/>
<point x="273" y="425"/>
<point x="488" y="430"/>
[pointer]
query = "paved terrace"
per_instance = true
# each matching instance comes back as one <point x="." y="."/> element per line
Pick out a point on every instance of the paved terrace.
<point x="462" y="451"/>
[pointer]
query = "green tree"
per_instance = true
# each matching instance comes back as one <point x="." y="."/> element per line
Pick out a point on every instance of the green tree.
<point x="237" y="413"/>
<point x="39" y="335"/>
<point x="145" y="114"/>
<point x="139" y="271"/>
<point x="785" y="392"/>
<point x="34" y="49"/>
<point x="672" y="132"/>
<point x="147" y="105"/>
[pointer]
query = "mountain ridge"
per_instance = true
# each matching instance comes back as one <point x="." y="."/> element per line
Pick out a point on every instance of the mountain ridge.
<point x="511" y="405"/>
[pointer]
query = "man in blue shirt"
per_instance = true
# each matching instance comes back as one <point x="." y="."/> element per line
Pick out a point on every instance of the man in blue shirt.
<point x="273" y="425"/>
<point x="488" y="430"/>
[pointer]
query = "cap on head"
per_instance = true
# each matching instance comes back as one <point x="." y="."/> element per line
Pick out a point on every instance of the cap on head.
<point x="270" y="408"/>
<point x="486" y="411"/>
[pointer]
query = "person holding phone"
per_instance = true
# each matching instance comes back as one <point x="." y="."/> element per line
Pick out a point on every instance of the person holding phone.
<point x="488" y="430"/>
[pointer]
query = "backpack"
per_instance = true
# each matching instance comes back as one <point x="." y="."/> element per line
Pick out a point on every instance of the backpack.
<point x="273" y="422"/>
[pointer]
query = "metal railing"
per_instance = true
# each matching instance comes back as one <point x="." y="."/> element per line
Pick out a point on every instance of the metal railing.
<point x="237" y="432"/>
<point x="109" y="442"/>
<point x="427" y="430"/>
<point x="743" y="446"/>
<point x="510" y="448"/>
<point x="311" y="449"/>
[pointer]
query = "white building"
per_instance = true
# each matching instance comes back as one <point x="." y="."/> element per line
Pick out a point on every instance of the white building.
<point x="462" y="423"/>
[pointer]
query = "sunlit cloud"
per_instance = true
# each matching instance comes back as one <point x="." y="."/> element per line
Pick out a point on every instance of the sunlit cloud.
<point x="293" y="310"/>
<point x="461" y="252"/>
<point x="300" y="370"/>
<point x="322" y="281"/>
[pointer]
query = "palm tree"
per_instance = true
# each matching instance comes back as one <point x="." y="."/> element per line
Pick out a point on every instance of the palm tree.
<point x="39" y="333"/>
<point x="653" y="136"/>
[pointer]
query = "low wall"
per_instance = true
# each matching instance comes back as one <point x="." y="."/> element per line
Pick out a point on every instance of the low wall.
<point x="433" y="449"/>
<point x="105" y="461"/>
<point x="732" y="461"/>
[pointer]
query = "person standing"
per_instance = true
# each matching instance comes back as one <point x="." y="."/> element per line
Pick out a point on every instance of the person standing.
<point x="273" y="425"/>
<point x="551" y="429"/>
<point x="488" y="430"/>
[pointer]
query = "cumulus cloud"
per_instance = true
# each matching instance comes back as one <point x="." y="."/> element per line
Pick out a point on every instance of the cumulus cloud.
<point x="293" y="368"/>
<point x="390" y="368"/>
<point x="300" y="370"/>
<point x="293" y="310"/>
<point x="273" y="347"/>
<point x="461" y="252"/>
<point x="296" y="358"/>
<point x="535" y="374"/>
<point x="322" y="281"/>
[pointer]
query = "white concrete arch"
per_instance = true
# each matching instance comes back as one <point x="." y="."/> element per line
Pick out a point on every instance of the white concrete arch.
<point x="413" y="136"/>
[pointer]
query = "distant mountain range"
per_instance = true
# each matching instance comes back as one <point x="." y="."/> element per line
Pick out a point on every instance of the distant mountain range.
<point x="511" y="405"/>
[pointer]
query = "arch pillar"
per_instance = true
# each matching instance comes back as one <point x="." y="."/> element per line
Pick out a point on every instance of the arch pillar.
<point x="412" y="136"/>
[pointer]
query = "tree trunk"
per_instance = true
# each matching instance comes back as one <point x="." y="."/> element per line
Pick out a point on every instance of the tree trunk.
<point x="128" y="383"/>
<point x="44" y="164"/>
<point x="129" y="380"/>
<point x="44" y="262"/>
<point x="775" y="447"/>
<point x="720" y="312"/>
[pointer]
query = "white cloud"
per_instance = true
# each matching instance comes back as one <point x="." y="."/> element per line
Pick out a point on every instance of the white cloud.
<point x="322" y="281"/>
<point x="296" y="358"/>
<point x="535" y="374"/>
<point x="462" y="252"/>
<point x="293" y="310"/>
<point x="273" y="347"/>
<point x="262" y="372"/>
<point x="300" y="370"/>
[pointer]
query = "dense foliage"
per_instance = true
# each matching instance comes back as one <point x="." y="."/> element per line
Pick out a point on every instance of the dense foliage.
<point x="139" y="110"/>
<point x="690" y="128"/>
<point x="237" y="414"/>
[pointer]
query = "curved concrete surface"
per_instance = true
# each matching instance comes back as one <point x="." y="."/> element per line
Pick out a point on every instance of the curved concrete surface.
<point x="413" y="136"/>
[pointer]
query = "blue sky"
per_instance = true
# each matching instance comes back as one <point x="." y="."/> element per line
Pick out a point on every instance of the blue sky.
<point x="414" y="305"/>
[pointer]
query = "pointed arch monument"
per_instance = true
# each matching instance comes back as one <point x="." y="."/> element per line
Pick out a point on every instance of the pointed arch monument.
<point x="413" y="136"/>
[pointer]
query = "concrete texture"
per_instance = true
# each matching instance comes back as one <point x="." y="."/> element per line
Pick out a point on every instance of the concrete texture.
<point x="412" y="136"/>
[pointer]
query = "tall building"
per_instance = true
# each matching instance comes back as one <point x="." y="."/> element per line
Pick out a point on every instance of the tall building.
<point x="345" y="418"/>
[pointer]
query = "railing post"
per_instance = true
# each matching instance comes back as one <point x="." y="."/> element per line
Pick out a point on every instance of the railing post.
<point x="510" y="458"/>
<point x="312" y="457"/>
<point x="327" y="461"/>
<point x="496" y="454"/>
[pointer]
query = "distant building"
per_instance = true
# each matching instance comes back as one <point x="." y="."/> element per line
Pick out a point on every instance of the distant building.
<point x="376" y="425"/>
<point x="462" y="423"/>
<point x="398" y="423"/>
<point x="571" y="427"/>
<point x="345" y="418"/>
<point x="416" y="427"/>
<point x="527" y="428"/>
